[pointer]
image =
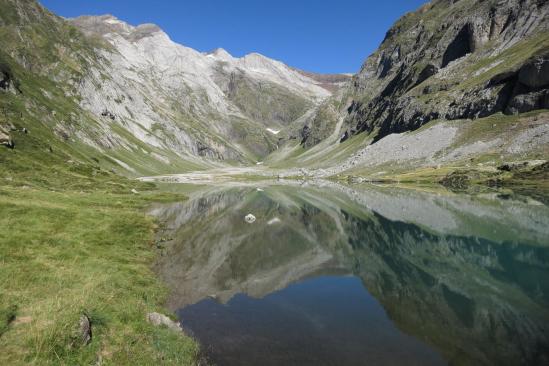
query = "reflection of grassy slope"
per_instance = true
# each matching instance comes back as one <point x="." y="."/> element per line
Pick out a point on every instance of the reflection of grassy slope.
<point x="499" y="218"/>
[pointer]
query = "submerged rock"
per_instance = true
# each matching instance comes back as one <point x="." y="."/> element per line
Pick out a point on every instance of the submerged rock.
<point x="249" y="218"/>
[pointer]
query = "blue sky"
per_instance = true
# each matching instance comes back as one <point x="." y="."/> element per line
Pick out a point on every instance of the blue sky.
<point x="325" y="36"/>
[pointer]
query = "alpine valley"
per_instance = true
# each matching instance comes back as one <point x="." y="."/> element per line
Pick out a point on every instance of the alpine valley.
<point x="456" y="83"/>
<point x="96" y="114"/>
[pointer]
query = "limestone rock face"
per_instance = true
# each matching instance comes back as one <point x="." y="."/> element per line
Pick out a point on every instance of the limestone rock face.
<point x="449" y="60"/>
<point x="210" y="105"/>
<point x="535" y="74"/>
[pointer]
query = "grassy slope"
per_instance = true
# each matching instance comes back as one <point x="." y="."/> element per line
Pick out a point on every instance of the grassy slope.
<point x="74" y="241"/>
<point x="69" y="253"/>
<point x="326" y="154"/>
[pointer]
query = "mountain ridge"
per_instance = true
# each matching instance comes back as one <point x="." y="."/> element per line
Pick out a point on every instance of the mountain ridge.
<point x="138" y="102"/>
<point x="144" y="104"/>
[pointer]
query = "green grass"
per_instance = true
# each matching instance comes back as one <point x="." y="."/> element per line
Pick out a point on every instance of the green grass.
<point x="294" y="155"/>
<point x="75" y="240"/>
<point x="267" y="102"/>
<point x="63" y="254"/>
<point x="497" y="125"/>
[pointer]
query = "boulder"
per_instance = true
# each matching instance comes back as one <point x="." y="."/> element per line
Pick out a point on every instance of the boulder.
<point x="456" y="180"/>
<point x="305" y="133"/>
<point x="7" y="80"/>
<point x="528" y="102"/>
<point x="535" y="74"/>
<point x="85" y="329"/>
<point x="108" y="114"/>
<point x="5" y="139"/>
<point x="513" y="166"/>
<point x="158" y="320"/>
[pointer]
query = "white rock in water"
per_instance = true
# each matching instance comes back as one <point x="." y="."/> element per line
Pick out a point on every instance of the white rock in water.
<point x="249" y="218"/>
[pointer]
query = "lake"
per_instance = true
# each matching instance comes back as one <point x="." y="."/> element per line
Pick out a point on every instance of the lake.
<point x="359" y="275"/>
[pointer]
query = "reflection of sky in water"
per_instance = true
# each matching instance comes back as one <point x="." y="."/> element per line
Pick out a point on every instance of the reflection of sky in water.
<point x="373" y="276"/>
<point x="321" y="321"/>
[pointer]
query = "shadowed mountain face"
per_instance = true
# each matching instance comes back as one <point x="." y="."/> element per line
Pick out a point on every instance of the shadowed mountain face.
<point x="465" y="277"/>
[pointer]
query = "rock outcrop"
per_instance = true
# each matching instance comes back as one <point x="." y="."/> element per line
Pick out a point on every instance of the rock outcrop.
<point x="85" y="329"/>
<point x="6" y="78"/>
<point x="158" y="320"/>
<point x="530" y="86"/>
<point x="5" y="138"/>
<point x="452" y="60"/>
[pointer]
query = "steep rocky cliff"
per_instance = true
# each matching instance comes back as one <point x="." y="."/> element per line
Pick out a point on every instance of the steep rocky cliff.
<point x="451" y="59"/>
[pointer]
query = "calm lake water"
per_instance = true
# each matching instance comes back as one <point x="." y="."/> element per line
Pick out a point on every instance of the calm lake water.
<point x="359" y="275"/>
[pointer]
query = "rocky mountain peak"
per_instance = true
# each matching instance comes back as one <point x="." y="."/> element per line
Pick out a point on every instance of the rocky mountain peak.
<point x="221" y="54"/>
<point x="103" y="25"/>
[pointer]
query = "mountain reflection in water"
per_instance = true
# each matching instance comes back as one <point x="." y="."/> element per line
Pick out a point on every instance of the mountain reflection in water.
<point x="361" y="275"/>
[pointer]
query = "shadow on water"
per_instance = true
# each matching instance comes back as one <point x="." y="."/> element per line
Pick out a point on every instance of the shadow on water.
<point x="360" y="275"/>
